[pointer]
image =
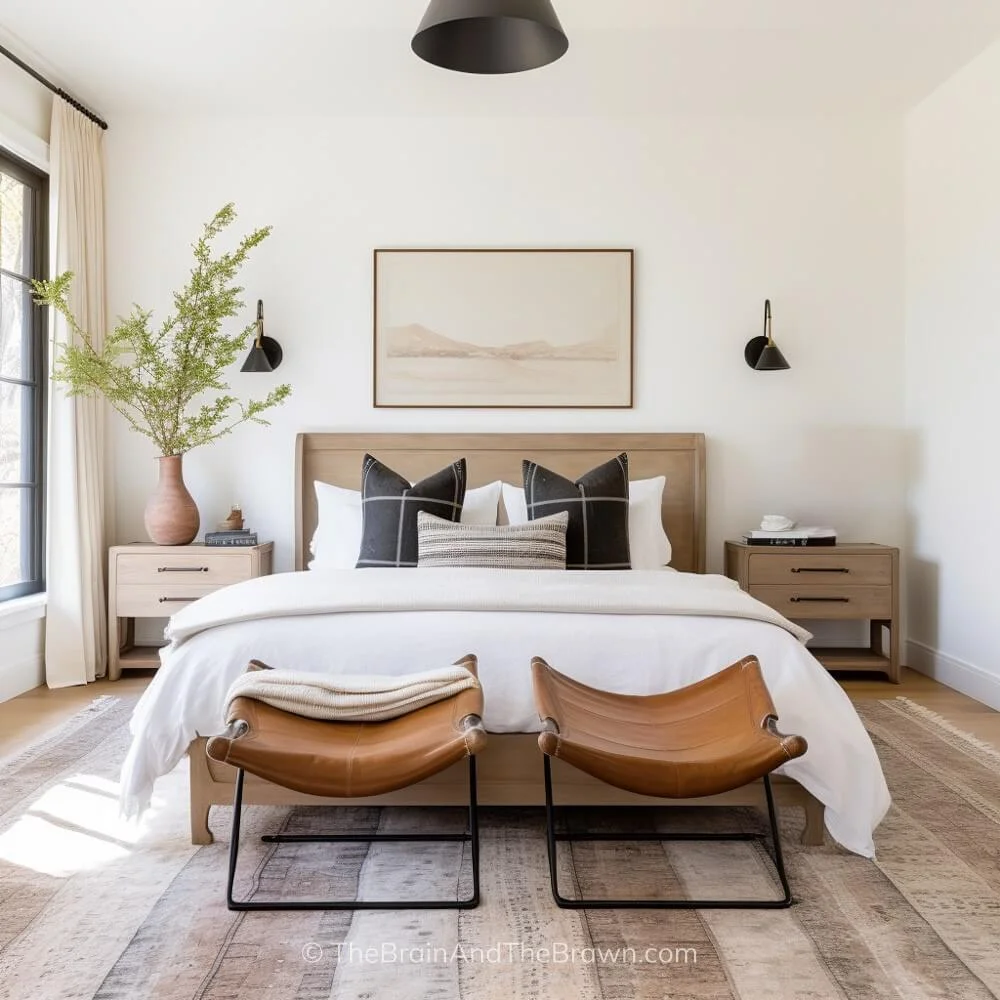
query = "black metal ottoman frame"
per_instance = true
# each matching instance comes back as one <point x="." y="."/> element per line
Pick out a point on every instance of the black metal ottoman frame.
<point x="471" y="837"/>
<point x="662" y="904"/>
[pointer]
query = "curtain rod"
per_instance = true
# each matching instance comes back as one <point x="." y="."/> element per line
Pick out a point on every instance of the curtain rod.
<point x="55" y="90"/>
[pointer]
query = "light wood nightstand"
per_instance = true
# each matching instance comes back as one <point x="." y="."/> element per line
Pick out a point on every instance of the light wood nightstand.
<point x="835" y="582"/>
<point x="156" y="581"/>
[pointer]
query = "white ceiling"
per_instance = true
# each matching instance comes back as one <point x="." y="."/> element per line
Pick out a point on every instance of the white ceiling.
<point x="626" y="56"/>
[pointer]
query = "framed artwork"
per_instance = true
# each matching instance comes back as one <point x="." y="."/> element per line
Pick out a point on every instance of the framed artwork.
<point x="503" y="328"/>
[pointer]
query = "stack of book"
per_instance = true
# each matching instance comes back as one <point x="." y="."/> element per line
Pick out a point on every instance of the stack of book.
<point x="792" y="536"/>
<point x="240" y="537"/>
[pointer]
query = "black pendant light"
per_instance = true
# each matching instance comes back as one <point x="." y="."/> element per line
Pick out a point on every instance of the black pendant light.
<point x="762" y="353"/>
<point x="490" y="36"/>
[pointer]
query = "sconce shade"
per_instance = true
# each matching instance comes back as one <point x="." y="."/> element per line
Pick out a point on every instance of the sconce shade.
<point x="266" y="353"/>
<point x="771" y="359"/>
<point x="490" y="36"/>
<point x="258" y="360"/>
<point x="761" y="353"/>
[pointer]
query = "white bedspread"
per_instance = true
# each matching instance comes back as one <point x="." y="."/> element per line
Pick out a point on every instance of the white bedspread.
<point x="574" y="592"/>
<point x="631" y="632"/>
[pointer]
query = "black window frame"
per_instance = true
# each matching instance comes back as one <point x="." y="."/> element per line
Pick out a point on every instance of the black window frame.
<point x="33" y="546"/>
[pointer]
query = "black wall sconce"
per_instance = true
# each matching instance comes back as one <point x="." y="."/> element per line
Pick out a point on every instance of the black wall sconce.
<point x="265" y="355"/>
<point x="490" y="36"/>
<point x="761" y="353"/>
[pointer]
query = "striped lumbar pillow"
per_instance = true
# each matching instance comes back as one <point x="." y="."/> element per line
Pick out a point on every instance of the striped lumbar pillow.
<point x="538" y="544"/>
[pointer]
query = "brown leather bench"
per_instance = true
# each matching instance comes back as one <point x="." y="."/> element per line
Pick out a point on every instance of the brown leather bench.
<point x="353" y="760"/>
<point x="702" y="740"/>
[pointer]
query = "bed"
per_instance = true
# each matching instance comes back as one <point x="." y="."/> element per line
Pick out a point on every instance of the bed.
<point x="637" y="632"/>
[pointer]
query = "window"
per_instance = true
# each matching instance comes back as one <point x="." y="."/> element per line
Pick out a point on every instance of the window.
<point x="23" y="374"/>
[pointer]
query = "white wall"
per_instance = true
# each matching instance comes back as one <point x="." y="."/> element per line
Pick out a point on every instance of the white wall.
<point x="721" y="212"/>
<point x="952" y="366"/>
<point x="25" y="110"/>
<point x="22" y="639"/>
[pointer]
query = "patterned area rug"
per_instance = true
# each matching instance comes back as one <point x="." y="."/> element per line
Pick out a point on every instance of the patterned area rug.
<point x="91" y="907"/>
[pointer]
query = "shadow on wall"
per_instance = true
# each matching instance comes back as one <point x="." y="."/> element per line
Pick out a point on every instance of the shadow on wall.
<point x="853" y="478"/>
<point x="922" y="615"/>
<point x="921" y="577"/>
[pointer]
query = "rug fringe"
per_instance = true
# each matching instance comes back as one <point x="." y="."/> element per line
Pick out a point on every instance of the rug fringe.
<point x="939" y="720"/>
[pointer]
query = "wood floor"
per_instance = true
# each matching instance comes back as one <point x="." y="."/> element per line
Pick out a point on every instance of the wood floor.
<point x="26" y="718"/>
<point x="29" y="716"/>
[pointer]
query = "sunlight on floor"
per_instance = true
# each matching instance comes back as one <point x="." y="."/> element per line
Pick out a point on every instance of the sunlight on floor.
<point x="73" y="826"/>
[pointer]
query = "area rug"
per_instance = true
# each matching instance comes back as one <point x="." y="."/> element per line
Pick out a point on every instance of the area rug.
<point x="91" y="907"/>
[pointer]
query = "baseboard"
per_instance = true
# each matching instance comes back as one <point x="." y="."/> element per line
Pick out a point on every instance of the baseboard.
<point x="965" y="677"/>
<point x="18" y="676"/>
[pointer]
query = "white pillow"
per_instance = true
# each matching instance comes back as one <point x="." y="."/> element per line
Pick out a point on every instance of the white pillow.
<point x="649" y="547"/>
<point x="336" y="542"/>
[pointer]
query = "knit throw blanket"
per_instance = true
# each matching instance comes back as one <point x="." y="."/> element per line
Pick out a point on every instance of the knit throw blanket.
<point x="348" y="697"/>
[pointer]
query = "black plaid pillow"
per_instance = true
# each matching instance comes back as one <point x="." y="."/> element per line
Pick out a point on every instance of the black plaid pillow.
<point x="597" y="503"/>
<point x="389" y="508"/>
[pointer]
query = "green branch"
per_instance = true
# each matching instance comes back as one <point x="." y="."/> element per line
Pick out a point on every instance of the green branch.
<point x="153" y="378"/>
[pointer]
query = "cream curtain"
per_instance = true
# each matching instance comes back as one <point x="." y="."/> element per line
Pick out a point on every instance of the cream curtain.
<point x="76" y="534"/>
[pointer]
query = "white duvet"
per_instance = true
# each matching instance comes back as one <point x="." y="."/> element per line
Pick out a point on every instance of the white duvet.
<point x="631" y="632"/>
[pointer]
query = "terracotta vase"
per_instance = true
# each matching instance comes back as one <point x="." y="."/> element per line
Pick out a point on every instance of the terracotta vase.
<point x="171" y="514"/>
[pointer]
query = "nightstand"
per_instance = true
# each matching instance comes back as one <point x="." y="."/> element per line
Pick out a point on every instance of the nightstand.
<point x="831" y="582"/>
<point x="156" y="581"/>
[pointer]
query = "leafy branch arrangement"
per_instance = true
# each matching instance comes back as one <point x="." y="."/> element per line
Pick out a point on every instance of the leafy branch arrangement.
<point x="154" y="378"/>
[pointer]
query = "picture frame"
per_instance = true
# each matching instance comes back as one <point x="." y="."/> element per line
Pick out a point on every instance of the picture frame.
<point x="504" y="328"/>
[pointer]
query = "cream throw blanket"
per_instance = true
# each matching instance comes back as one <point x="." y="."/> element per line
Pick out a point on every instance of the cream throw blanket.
<point x="349" y="698"/>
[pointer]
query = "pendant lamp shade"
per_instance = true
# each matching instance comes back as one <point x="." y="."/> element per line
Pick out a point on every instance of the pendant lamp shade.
<point x="490" y="36"/>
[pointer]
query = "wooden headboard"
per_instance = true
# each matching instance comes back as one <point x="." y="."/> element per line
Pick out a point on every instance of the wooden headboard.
<point x="336" y="459"/>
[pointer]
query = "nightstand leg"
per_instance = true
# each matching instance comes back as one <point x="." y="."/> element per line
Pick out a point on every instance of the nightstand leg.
<point x="878" y="646"/>
<point x="895" y="673"/>
<point x="875" y="632"/>
<point x="114" y="647"/>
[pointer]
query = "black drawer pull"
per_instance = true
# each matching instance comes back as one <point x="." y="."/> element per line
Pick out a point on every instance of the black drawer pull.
<point x="178" y="600"/>
<point x="182" y="569"/>
<point x="821" y="600"/>
<point x="820" y="569"/>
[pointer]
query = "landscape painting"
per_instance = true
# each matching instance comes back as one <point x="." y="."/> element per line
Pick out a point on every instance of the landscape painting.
<point x="503" y="328"/>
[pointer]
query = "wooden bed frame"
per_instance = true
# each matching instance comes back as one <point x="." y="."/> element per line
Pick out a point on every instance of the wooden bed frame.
<point x="509" y="771"/>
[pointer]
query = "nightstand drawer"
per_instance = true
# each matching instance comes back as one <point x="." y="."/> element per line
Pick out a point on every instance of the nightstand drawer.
<point x="827" y="601"/>
<point x="141" y="600"/>
<point x="201" y="569"/>
<point x="812" y="568"/>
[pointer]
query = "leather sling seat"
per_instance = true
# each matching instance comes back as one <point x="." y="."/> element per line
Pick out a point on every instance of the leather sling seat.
<point x="711" y="737"/>
<point x="350" y="759"/>
<point x="702" y="740"/>
<point x="347" y="759"/>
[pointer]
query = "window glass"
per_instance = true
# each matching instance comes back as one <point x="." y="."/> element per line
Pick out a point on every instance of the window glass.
<point x="23" y="200"/>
